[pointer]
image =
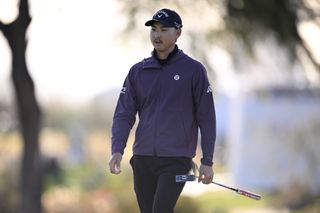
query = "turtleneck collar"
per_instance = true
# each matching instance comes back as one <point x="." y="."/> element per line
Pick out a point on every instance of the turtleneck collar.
<point x="165" y="61"/>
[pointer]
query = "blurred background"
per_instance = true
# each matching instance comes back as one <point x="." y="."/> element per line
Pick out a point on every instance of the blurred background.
<point x="62" y="65"/>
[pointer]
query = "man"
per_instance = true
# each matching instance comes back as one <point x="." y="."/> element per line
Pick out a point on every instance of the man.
<point x="173" y="98"/>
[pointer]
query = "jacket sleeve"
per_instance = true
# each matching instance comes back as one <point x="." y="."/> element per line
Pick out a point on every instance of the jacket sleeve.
<point x="205" y="114"/>
<point x="124" y="116"/>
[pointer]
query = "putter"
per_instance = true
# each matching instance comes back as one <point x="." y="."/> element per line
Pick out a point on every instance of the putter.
<point x="185" y="178"/>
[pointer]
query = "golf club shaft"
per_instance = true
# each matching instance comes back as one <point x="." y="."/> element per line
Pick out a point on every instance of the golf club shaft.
<point x="240" y="191"/>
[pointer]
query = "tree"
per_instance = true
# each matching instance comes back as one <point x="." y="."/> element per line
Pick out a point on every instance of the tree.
<point x="29" y="111"/>
<point x="243" y="20"/>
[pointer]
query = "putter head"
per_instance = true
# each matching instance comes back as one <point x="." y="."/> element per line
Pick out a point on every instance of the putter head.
<point x="185" y="178"/>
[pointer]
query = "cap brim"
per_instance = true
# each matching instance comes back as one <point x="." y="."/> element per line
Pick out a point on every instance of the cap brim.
<point x="151" y="22"/>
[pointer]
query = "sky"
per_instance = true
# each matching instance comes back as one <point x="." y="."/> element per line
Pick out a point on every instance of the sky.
<point x="74" y="49"/>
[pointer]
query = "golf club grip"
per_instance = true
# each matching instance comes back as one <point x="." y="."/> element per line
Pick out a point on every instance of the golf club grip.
<point x="249" y="194"/>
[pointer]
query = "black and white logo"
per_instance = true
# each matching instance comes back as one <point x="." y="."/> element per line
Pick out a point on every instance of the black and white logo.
<point x="123" y="90"/>
<point x="161" y="13"/>
<point x="209" y="89"/>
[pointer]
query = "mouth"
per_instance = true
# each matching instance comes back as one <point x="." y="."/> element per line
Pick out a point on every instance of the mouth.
<point x="158" y="42"/>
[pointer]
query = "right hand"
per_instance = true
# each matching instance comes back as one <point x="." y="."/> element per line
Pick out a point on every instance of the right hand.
<point x="114" y="163"/>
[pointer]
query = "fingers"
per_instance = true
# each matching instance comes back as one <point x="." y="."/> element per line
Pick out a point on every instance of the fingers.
<point x="114" y="167"/>
<point x="114" y="163"/>
<point x="205" y="174"/>
<point x="205" y="179"/>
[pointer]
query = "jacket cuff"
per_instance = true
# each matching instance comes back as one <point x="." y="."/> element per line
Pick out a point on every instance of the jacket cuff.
<point x="206" y="161"/>
<point x="114" y="150"/>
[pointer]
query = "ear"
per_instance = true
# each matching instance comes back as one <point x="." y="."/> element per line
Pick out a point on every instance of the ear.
<point x="179" y="31"/>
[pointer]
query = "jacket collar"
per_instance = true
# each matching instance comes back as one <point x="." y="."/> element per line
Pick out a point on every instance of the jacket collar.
<point x="152" y="62"/>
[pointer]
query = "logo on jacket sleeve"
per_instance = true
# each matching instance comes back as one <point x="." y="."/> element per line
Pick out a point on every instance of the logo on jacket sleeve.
<point x="123" y="90"/>
<point x="209" y="89"/>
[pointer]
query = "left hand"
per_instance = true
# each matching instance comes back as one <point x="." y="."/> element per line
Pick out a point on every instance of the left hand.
<point x="205" y="174"/>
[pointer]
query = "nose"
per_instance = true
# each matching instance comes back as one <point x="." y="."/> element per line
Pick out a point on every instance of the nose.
<point x="156" y="34"/>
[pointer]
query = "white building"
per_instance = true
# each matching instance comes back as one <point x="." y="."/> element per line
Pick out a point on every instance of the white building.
<point x="273" y="139"/>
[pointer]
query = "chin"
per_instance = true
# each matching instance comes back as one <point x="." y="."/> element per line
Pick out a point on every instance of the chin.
<point x="158" y="46"/>
<point x="159" y="49"/>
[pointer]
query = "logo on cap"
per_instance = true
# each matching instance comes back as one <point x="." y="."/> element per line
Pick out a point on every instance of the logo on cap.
<point x="160" y="13"/>
<point x="177" y="24"/>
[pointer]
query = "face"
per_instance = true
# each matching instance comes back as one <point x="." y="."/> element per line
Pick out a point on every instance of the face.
<point x="163" y="38"/>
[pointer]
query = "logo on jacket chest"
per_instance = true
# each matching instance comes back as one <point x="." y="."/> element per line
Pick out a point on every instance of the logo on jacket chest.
<point x="176" y="77"/>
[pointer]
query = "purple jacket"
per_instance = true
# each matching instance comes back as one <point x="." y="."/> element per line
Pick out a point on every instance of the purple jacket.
<point x="173" y="102"/>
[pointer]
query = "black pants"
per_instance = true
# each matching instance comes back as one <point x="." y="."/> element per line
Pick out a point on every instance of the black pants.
<point x="154" y="181"/>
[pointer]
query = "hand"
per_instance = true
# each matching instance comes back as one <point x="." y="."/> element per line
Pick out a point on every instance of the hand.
<point x="205" y="174"/>
<point x="114" y="163"/>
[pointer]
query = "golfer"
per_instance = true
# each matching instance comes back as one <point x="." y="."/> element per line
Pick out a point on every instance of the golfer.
<point x="172" y="96"/>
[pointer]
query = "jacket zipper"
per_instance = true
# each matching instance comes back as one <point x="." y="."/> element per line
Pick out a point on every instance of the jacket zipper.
<point x="157" y="88"/>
